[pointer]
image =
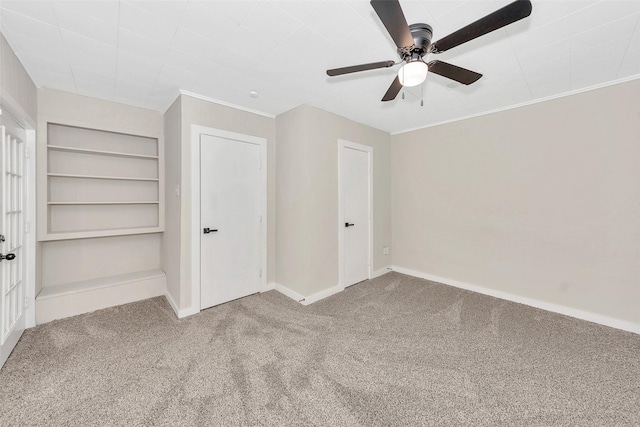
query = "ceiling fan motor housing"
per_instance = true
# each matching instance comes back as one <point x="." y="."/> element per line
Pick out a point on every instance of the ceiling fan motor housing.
<point x="422" y="34"/>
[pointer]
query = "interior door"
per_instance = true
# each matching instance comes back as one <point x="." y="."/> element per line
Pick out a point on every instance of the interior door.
<point x="231" y="222"/>
<point x="356" y="201"/>
<point x="12" y="260"/>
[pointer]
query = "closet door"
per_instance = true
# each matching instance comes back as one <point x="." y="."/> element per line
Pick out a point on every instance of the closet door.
<point x="356" y="218"/>
<point x="230" y="202"/>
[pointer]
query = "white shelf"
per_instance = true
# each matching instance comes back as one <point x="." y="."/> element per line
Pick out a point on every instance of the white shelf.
<point x="117" y="178"/>
<point x="118" y="189"/>
<point x="100" y="152"/>
<point x="87" y="234"/>
<point x="105" y="203"/>
<point x="93" y="284"/>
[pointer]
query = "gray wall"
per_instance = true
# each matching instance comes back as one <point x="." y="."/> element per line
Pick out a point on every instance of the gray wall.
<point x="541" y="201"/>
<point x="292" y="182"/>
<point x="170" y="244"/>
<point x="307" y="196"/>
<point x="17" y="91"/>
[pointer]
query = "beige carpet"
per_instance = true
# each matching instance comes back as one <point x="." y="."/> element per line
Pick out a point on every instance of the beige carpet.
<point x="392" y="351"/>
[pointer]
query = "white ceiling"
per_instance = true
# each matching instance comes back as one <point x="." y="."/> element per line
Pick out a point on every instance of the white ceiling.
<point x="143" y="52"/>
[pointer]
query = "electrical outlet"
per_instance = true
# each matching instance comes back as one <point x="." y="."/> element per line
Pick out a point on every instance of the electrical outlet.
<point x="385" y="250"/>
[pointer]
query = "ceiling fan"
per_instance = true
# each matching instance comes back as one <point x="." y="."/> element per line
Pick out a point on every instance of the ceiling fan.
<point x="414" y="43"/>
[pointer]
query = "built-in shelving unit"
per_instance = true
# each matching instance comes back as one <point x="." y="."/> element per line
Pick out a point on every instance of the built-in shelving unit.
<point x="100" y="204"/>
<point x="101" y="183"/>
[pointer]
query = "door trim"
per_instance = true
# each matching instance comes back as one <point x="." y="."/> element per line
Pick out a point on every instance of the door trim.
<point x="22" y="119"/>
<point x="342" y="144"/>
<point x="196" y="132"/>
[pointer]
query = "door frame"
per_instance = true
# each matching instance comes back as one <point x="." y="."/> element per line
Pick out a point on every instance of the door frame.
<point x="22" y="119"/>
<point x="344" y="144"/>
<point x="196" y="132"/>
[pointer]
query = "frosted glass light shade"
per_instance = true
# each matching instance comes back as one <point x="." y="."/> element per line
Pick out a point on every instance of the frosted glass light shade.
<point x="413" y="73"/>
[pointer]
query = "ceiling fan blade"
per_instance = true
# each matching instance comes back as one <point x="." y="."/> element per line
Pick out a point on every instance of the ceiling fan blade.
<point x="453" y="72"/>
<point x="393" y="90"/>
<point x="509" y="14"/>
<point x="362" y="67"/>
<point x="391" y="15"/>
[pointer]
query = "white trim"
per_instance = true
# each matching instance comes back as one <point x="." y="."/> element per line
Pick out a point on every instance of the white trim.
<point x="179" y="313"/>
<point x="381" y="272"/>
<point x="172" y="303"/>
<point x="523" y="104"/>
<point x="555" y="308"/>
<point x="226" y="104"/>
<point x="10" y="105"/>
<point x="30" y="238"/>
<point x="342" y="144"/>
<point x="288" y="292"/>
<point x="325" y="293"/>
<point x="322" y="294"/>
<point x="196" y="132"/>
<point x="268" y="287"/>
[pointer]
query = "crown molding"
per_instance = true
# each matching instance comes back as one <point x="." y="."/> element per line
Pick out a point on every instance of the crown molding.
<point x="226" y="104"/>
<point x="523" y="104"/>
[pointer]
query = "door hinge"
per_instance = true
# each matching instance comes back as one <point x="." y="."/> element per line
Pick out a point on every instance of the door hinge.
<point x="260" y="218"/>
<point x="260" y="274"/>
<point x="27" y="227"/>
<point x="27" y="153"/>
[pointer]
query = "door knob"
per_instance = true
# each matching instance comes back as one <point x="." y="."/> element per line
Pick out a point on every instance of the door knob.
<point x="346" y="224"/>
<point x="208" y="230"/>
<point x="8" y="257"/>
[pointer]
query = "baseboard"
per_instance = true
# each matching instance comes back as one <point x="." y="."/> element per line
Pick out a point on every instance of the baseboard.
<point x="72" y="299"/>
<point x="555" y="308"/>
<point x="268" y="287"/>
<point x="180" y="313"/>
<point x="310" y="299"/>
<point x="288" y="292"/>
<point x="380" y="272"/>
<point x="319" y="295"/>
<point x="322" y="294"/>
<point x="184" y="312"/>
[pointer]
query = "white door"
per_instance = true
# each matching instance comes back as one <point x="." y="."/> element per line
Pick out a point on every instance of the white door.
<point x="230" y="220"/>
<point x="12" y="216"/>
<point x="355" y="194"/>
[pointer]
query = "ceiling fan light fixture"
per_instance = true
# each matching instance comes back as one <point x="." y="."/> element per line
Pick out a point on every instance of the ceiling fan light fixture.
<point x="413" y="73"/>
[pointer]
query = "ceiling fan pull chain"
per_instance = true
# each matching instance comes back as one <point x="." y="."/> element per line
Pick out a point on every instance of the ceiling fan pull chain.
<point x="402" y="69"/>
<point x="422" y="95"/>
